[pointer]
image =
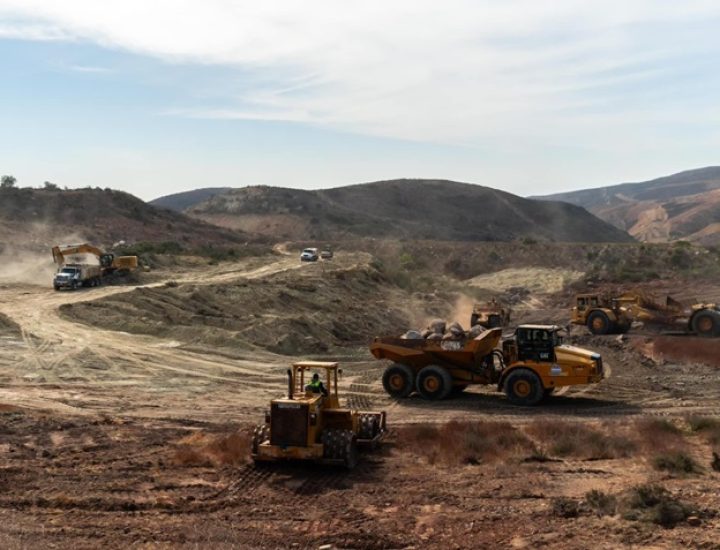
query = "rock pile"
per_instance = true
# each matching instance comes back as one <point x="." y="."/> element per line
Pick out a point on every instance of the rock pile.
<point x="438" y="329"/>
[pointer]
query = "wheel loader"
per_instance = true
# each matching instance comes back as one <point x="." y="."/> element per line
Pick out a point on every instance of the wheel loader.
<point x="615" y="314"/>
<point x="490" y="314"/>
<point x="528" y="366"/>
<point x="311" y="426"/>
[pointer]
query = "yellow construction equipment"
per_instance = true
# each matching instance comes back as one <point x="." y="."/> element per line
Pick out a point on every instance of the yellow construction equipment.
<point x="490" y="314"/>
<point x="607" y="314"/>
<point x="529" y="366"/>
<point x="309" y="425"/>
<point x="86" y="265"/>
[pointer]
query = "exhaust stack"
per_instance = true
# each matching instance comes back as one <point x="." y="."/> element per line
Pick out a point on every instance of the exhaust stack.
<point x="290" y="384"/>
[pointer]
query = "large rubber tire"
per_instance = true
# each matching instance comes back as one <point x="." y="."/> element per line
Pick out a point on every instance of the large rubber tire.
<point x="494" y="321"/>
<point x="706" y="323"/>
<point x="599" y="323"/>
<point x="260" y="435"/>
<point x="434" y="382"/>
<point x="398" y="380"/>
<point x="474" y="319"/>
<point x="523" y="387"/>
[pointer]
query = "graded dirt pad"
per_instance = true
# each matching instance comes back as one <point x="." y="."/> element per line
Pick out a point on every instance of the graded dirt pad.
<point x="329" y="304"/>
<point x="116" y="439"/>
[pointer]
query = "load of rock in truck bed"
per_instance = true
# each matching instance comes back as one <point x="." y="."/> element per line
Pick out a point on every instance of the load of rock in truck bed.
<point x="438" y="329"/>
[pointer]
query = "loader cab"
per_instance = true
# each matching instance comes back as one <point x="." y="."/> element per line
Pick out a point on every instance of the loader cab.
<point x="537" y="342"/>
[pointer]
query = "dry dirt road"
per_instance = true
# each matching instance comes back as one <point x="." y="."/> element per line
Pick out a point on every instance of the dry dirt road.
<point x="122" y="440"/>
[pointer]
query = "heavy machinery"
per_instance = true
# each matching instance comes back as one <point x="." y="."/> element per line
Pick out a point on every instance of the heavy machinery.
<point x="86" y="265"/>
<point x="75" y="276"/>
<point x="490" y="314"/>
<point x="615" y="314"/>
<point x="528" y="366"/>
<point x="311" y="426"/>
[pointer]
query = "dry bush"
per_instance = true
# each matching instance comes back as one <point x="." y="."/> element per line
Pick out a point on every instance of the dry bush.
<point x="708" y="427"/>
<point x="204" y="450"/>
<point x="653" y="503"/>
<point x="602" y="504"/>
<point x="676" y="462"/>
<point x="462" y="442"/>
<point x="702" y="350"/>
<point x="579" y="440"/>
<point x="659" y="435"/>
<point x="565" y="507"/>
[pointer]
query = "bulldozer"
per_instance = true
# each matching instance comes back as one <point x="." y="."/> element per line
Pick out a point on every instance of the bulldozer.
<point x="615" y="314"/>
<point x="490" y="314"/>
<point x="311" y="426"/>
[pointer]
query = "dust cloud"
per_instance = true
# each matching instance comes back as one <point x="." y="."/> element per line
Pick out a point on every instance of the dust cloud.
<point x="20" y="266"/>
<point x="462" y="310"/>
<point x="31" y="262"/>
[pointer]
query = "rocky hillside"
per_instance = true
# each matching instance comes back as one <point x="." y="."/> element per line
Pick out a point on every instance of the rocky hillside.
<point x="413" y="209"/>
<point x="684" y="206"/>
<point x="42" y="217"/>
<point x="186" y="199"/>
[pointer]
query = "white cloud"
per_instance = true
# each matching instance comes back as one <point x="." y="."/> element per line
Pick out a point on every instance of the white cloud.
<point x="458" y="71"/>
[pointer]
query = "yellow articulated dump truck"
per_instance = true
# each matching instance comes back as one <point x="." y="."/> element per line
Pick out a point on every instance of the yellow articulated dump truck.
<point x="527" y="367"/>
<point x="310" y="424"/>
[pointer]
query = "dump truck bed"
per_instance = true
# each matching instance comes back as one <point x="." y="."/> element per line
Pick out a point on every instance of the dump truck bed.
<point x="421" y="352"/>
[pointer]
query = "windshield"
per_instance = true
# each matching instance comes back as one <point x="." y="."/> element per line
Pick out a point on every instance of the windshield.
<point x="309" y="251"/>
<point x="69" y="271"/>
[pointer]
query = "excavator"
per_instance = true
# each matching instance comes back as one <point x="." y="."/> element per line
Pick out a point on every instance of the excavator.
<point x="86" y="265"/>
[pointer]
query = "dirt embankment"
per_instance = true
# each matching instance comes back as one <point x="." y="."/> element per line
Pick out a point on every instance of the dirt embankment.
<point x="310" y="311"/>
<point x="8" y="325"/>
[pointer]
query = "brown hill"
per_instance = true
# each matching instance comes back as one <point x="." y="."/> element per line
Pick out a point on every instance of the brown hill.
<point x="414" y="209"/>
<point x="684" y="206"/>
<point x="42" y="217"/>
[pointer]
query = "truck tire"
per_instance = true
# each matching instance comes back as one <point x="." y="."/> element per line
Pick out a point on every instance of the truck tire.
<point x="434" y="382"/>
<point x="398" y="380"/>
<point x="599" y="323"/>
<point x="706" y="323"/>
<point x="474" y="319"/>
<point x="523" y="387"/>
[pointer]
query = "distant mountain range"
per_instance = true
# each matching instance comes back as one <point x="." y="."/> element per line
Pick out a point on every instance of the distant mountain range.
<point x="412" y="209"/>
<point x="684" y="206"/>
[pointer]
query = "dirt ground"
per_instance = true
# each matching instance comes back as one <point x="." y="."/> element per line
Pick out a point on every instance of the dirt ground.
<point x="129" y="439"/>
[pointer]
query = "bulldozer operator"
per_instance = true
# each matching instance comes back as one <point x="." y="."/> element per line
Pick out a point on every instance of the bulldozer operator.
<point x="316" y="385"/>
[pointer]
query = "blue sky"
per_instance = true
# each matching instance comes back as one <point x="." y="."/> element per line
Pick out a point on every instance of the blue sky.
<point x="529" y="97"/>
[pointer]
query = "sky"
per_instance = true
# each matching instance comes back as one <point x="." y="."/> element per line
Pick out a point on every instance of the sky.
<point x="532" y="97"/>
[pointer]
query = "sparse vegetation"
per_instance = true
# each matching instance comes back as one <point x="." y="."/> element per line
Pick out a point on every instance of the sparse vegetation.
<point x="709" y="427"/>
<point x="655" y="504"/>
<point x="600" y="503"/>
<point x="461" y="442"/>
<point x="677" y="462"/>
<point x="573" y="439"/>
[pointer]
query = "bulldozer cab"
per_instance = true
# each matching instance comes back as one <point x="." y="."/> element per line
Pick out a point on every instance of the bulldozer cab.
<point x="302" y="373"/>
<point x="537" y="342"/>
